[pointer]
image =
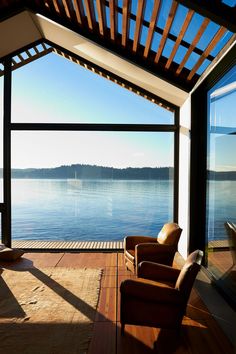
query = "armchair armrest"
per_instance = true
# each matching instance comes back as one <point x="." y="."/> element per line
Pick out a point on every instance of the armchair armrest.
<point x="158" y="272"/>
<point x="150" y="292"/>
<point x="131" y="241"/>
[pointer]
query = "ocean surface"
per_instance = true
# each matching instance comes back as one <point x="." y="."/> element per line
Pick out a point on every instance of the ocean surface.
<point x="105" y="210"/>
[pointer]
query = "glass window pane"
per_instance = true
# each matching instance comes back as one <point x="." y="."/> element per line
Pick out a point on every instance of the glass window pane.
<point x="222" y="180"/>
<point x="1" y="136"/>
<point x="53" y="89"/>
<point x="91" y="185"/>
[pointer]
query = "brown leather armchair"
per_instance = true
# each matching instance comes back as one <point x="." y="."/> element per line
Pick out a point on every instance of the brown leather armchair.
<point x="159" y="297"/>
<point x="231" y="232"/>
<point x="160" y="249"/>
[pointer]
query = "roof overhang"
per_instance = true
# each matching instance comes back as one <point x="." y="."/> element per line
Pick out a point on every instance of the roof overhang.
<point x="26" y="28"/>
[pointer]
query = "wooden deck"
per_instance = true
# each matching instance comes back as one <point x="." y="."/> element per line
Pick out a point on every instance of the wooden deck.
<point x="200" y="332"/>
<point x="69" y="245"/>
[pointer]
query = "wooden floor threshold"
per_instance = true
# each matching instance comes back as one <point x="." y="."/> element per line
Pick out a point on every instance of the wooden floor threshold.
<point x="69" y="245"/>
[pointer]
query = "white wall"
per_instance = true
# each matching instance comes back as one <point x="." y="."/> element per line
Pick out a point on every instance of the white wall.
<point x="184" y="173"/>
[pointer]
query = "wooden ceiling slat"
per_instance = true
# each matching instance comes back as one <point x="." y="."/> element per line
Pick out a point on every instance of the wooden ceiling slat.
<point x="36" y="50"/>
<point x="28" y="53"/>
<point x="79" y="11"/>
<point x="56" y="6"/>
<point x="209" y="48"/>
<point x="89" y="7"/>
<point x="113" y="19"/>
<point x="66" y="8"/>
<point x="20" y="57"/>
<point x="125" y="22"/>
<point x="139" y="21"/>
<point x="30" y="59"/>
<point x="193" y="45"/>
<point x="166" y="30"/>
<point x="183" y="30"/>
<point x="44" y="46"/>
<point x="101" y="17"/>
<point x="155" y="13"/>
<point x="216" y="10"/>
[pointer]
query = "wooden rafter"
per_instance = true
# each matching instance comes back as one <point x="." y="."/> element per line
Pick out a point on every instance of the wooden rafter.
<point x="139" y="21"/>
<point x="193" y="45"/>
<point x="20" y="57"/>
<point x="113" y="19"/>
<point x="29" y="54"/>
<point x="166" y="30"/>
<point x="89" y="6"/>
<point x="36" y="50"/>
<point x="79" y="11"/>
<point x="56" y="6"/>
<point x="125" y="22"/>
<point x="155" y="13"/>
<point x="30" y="57"/>
<point x="101" y="17"/>
<point x="215" y="10"/>
<point x="66" y="8"/>
<point x="180" y="37"/>
<point x="209" y="48"/>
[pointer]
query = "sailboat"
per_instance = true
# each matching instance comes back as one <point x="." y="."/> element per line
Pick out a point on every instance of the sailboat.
<point x="75" y="182"/>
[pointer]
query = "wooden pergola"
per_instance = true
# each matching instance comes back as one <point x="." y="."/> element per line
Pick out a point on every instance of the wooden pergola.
<point x="176" y="40"/>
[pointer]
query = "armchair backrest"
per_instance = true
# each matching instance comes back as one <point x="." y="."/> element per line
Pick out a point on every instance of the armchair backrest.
<point x="188" y="273"/>
<point x="169" y="234"/>
<point x="231" y="232"/>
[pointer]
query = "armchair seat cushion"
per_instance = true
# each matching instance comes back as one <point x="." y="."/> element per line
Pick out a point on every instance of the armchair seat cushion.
<point x="141" y="248"/>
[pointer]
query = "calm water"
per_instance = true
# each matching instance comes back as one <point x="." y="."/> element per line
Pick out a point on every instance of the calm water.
<point x="89" y="209"/>
<point x="106" y="210"/>
<point x="221" y="207"/>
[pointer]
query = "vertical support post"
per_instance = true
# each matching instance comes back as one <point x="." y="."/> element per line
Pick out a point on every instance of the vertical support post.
<point x="6" y="216"/>
<point x="176" y="167"/>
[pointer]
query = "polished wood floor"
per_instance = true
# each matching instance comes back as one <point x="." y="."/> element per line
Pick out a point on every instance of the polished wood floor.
<point x="200" y="332"/>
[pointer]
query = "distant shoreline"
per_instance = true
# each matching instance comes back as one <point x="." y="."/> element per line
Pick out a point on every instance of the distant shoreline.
<point x="83" y="172"/>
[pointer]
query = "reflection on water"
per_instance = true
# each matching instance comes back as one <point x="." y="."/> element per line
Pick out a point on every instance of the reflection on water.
<point x="89" y="209"/>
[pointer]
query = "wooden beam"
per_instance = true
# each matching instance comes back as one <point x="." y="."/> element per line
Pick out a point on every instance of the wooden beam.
<point x="113" y="19"/>
<point x="101" y="16"/>
<point x="180" y="37"/>
<point x="31" y="58"/>
<point x="79" y="11"/>
<point x="215" y="10"/>
<point x="160" y="31"/>
<point x="125" y="22"/>
<point x="155" y="13"/>
<point x="166" y="30"/>
<point x="56" y="6"/>
<point x="212" y="44"/>
<point x="66" y="9"/>
<point x="89" y="7"/>
<point x="139" y="21"/>
<point x="193" y="44"/>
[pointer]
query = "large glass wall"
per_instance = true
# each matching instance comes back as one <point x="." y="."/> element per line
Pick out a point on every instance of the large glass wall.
<point x="88" y="184"/>
<point x="221" y="188"/>
<point x="1" y="136"/>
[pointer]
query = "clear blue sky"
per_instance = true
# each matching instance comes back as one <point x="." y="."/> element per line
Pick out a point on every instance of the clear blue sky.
<point x="53" y="89"/>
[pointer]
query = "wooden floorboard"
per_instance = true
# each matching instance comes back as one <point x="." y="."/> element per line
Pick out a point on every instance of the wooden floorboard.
<point x="200" y="332"/>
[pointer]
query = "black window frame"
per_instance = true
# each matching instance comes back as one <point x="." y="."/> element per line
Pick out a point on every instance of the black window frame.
<point x="8" y="127"/>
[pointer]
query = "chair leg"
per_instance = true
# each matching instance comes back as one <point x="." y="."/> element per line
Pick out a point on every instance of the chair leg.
<point x="122" y="330"/>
